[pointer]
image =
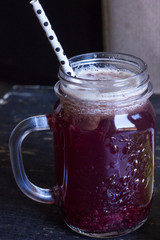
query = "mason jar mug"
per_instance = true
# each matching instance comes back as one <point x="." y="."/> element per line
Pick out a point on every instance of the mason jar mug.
<point x="104" y="129"/>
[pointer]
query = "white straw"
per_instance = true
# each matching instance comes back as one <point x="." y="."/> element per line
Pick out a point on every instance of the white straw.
<point x="52" y="37"/>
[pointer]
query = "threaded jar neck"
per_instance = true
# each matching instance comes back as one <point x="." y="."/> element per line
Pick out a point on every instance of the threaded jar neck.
<point x="134" y="84"/>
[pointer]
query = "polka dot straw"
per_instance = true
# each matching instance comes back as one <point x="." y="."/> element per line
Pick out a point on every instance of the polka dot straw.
<point x="52" y="37"/>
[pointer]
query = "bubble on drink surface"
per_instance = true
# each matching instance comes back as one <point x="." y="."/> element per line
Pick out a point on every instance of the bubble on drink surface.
<point x="102" y="83"/>
<point x="95" y="73"/>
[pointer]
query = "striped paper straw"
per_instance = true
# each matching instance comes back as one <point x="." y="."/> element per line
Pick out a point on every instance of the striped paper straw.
<point x="52" y="37"/>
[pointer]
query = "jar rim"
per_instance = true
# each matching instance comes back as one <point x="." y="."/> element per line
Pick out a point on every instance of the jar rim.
<point x="132" y="87"/>
<point x="103" y="57"/>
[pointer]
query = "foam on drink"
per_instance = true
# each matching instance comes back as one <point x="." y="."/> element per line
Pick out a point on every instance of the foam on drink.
<point x="95" y="73"/>
<point x="110" y="79"/>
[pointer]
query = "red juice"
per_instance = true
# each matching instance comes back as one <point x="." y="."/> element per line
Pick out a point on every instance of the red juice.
<point x="104" y="165"/>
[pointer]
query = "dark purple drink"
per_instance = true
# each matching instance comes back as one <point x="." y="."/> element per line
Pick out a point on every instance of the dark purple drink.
<point x="104" y="167"/>
<point x="104" y="128"/>
<point x="104" y="137"/>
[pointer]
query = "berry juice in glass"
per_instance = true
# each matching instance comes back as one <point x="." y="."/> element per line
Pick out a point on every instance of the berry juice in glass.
<point x="104" y="131"/>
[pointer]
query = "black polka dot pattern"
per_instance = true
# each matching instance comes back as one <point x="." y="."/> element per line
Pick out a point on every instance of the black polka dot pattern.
<point x="51" y="37"/>
<point x="57" y="49"/>
<point x="45" y="24"/>
<point x="39" y="11"/>
<point x="62" y="62"/>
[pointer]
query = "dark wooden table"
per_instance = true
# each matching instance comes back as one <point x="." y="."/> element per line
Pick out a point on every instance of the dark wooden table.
<point x="21" y="217"/>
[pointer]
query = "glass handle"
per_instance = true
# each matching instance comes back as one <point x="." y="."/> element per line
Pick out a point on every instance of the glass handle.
<point x="37" y="123"/>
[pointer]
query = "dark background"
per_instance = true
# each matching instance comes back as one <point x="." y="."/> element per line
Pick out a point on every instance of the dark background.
<point x="26" y="56"/>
